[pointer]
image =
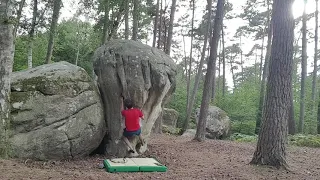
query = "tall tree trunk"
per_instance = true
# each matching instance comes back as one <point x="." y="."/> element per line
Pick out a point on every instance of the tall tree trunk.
<point x="6" y="61"/>
<point x="185" y="57"/>
<point x="224" y="64"/>
<point x="53" y="26"/>
<point x="156" y="19"/>
<point x="271" y="146"/>
<point x="170" y="30"/>
<point x="106" y="21"/>
<point x="232" y="72"/>
<point x="291" y="121"/>
<point x="160" y="26"/>
<point x="261" y="57"/>
<point x="265" y="72"/>
<point x="19" y="13"/>
<point x="135" y="20"/>
<point x="219" y="69"/>
<point x="199" y="71"/>
<point x="201" y="126"/>
<point x="190" y="56"/>
<point x="314" y="80"/>
<point x="318" y="115"/>
<point x="126" y="20"/>
<point x="303" y="69"/>
<point x="31" y="32"/>
<point x="241" y="56"/>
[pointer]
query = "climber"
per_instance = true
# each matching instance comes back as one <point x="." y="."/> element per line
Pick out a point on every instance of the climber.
<point x="132" y="122"/>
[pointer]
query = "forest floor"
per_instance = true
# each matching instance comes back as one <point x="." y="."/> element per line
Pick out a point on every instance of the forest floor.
<point x="185" y="159"/>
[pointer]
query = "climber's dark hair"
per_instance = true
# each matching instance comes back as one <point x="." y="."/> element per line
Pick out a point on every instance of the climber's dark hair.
<point x="128" y="103"/>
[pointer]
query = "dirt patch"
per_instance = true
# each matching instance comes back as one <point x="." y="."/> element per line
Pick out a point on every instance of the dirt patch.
<point x="185" y="159"/>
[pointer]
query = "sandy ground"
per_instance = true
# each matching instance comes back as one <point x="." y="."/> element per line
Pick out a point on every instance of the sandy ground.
<point x="185" y="159"/>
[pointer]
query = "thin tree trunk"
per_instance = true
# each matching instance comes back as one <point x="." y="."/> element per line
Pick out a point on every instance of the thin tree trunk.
<point x="261" y="57"/>
<point x="135" y="20"/>
<point x="291" y="121"/>
<point x="31" y="32"/>
<point x="185" y="57"/>
<point x="6" y="62"/>
<point x="53" y="26"/>
<point x="241" y="57"/>
<point x="200" y="134"/>
<point x="219" y="69"/>
<point x="170" y="30"/>
<point x="164" y="36"/>
<point x="199" y="72"/>
<point x="272" y="140"/>
<point x="318" y="115"/>
<point x="224" y="64"/>
<point x="303" y="69"/>
<point x="160" y="26"/>
<point x="314" y="80"/>
<point x="105" y="33"/>
<point x="19" y="13"/>
<point x="126" y="20"/>
<point x="232" y="73"/>
<point x="190" y="56"/>
<point x="265" y="73"/>
<point x="156" y="19"/>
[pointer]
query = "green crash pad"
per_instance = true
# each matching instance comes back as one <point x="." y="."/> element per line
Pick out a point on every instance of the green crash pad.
<point x="133" y="165"/>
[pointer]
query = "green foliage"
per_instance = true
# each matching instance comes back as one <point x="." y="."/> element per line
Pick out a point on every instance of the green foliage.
<point x="72" y="36"/>
<point x="305" y="140"/>
<point x="21" y="51"/>
<point x="238" y="137"/>
<point x="171" y="130"/>
<point x="243" y="127"/>
<point x="179" y="98"/>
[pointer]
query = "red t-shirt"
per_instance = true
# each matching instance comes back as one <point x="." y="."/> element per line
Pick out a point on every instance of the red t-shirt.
<point x="132" y="118"/>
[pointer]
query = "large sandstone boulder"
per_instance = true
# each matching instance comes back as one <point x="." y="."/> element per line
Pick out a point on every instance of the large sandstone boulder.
<point x="131" y="69"/>
<point x="218" y="123"/>
<point x="57" y="112"/>
<point x="170" y="117"/>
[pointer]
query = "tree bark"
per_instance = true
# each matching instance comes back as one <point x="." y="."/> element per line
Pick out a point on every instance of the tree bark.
<point x="314" y="80"/>
<point x="135" y="20"/>
<point x="6" y="61"/>
<point x="272" y="141"/>
<point x="32" y="31"/>
<point x="126" y="20"/>
<point x="200" y="134"/>
<point x="303" y="69"/>
<point x="199" y="72"/>
<point x="264" y="73"/>
<point x="53" y="26"/>
<point x="170" y="30"/>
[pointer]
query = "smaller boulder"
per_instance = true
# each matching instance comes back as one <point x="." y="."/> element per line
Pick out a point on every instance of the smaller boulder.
<point x="189" y="133"/>
<point x="170" y="117"/>
<point x="218" y="123"/>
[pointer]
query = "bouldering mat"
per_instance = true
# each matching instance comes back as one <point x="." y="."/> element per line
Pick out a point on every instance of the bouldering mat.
<point x="133" y="165"/>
